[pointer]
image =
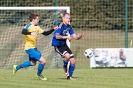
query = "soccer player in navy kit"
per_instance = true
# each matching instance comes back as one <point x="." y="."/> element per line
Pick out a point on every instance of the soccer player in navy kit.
<point x="59" y="42"/>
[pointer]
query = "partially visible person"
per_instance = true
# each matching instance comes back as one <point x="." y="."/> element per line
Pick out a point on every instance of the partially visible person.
<point x="121" y="62"/>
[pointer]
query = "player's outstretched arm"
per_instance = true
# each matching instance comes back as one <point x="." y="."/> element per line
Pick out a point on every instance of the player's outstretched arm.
<point x="58" y="36"/>
<point x="77" y="36"/>
<point x="50" y="31"/>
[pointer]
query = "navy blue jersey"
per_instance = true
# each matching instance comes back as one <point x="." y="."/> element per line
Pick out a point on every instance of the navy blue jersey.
<point x="63" y="30"/>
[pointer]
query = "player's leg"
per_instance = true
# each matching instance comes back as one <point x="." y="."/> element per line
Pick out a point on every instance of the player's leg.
<point x="71" y="69"/>
<point x="66" y="63"/>
<point x="30" y="62"/>
<point x="70" y="57"/>
<point x="65" y="66"/>
<point x="26" y="64"/>
<point x="71" y="66"/>
<point x="41" y="68"/>
<point x="23" y="65"/>
<point x="62" y="51"/>
<point x="38" y="57"/>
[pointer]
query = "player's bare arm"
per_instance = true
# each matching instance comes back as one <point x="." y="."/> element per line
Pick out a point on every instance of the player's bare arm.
<point x="77" y="36"/>
<point x="58" y="36"/>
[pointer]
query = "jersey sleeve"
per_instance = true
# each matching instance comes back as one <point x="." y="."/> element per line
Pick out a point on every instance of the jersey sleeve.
<point x="58" y="31"/>
<point x="71" y="31"/>
<point x="27" y="26"/>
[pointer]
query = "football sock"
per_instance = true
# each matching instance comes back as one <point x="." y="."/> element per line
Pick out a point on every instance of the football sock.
<point x="65" y="63"/>
<point x="24" y="65"/>
<point x="40" y="69"/>
<point x="71" y="69"/>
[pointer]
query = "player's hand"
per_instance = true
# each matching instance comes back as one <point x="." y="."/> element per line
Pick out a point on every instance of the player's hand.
<point x="55" y="28"/>
<point x="79" y="36"/>
<point x="69" y="38"/>
<point x="34" y="34"/>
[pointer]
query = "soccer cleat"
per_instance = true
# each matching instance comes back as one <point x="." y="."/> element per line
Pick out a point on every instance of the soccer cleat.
<point x="41" y="77"/>
<point x="14" y="70"/>
<point x="70" y="78"/>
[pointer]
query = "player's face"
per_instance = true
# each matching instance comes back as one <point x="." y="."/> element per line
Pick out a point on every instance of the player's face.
<point x="66" y="19"/>
<point x="36" y="20"/>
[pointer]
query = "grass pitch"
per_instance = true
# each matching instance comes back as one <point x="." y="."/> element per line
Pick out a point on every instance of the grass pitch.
<point x="86" y="78"/>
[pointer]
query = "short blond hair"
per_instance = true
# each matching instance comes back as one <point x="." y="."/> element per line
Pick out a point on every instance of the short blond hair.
<point x="64" y="14"/>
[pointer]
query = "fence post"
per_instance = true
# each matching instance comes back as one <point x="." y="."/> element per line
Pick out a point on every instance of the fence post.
<point x="56" y="22"/>
<point x="126" y="23"/>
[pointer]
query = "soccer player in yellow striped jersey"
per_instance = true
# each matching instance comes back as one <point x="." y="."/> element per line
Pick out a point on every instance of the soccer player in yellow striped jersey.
<point x="31" y="32"/>
<point x="31" y="39"/>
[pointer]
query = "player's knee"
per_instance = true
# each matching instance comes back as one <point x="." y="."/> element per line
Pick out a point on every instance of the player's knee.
<point x="67" y="56"/>
<point x="73" y="61"/>
<point x="42" y="61"/>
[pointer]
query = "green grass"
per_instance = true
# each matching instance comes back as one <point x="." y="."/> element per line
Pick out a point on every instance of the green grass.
<point x="86" y="78"/>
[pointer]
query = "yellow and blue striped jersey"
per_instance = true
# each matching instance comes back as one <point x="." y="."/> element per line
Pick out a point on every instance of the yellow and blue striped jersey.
<point x="30" y="41"/>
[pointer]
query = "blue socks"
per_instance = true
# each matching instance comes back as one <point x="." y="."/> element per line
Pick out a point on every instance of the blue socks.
<point x="40" y="69"/>
<point x="71" y="69"/>
<point x="24" y="65"/>
<point x="65" y="63"/>
<point x="28" y="63"/>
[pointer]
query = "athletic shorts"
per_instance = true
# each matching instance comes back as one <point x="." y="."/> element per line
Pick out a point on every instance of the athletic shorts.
<point x="34" y="54"/>
<point x="62" y="50"/>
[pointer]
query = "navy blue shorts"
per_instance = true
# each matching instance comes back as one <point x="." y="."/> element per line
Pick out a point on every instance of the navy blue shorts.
<point x="62" y="50"/>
